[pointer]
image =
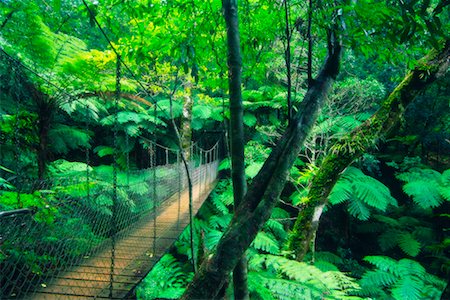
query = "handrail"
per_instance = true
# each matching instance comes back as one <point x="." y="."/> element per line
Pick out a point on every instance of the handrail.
<point x="21" y="211"/>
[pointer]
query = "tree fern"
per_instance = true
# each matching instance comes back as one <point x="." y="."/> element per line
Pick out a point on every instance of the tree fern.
<point x="409" y="244"/>
<point x="444" y="188"/>
<point x="408" y="233"/>
<point x="290" y="279"/>
<point x="362" y="193"/>
<point x="403" y="279"/>
<point x="64" y="138"/>
<point x="427" y="187"/>
<point x="266" y="242"/>
<point x="167" y="279"/>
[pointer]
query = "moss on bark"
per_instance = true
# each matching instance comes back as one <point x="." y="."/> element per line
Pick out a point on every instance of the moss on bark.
<point x="361" y="139"/>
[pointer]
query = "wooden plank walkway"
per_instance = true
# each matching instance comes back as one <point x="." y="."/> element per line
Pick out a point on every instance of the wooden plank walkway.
<point x="135" y="254"/>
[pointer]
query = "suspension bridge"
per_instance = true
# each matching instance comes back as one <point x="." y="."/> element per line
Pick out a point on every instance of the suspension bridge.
<point x="89" y="218"/>
<point x="124" y="242"/>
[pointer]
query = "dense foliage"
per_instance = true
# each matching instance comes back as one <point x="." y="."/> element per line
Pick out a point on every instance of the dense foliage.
<point x="383" y="234"/>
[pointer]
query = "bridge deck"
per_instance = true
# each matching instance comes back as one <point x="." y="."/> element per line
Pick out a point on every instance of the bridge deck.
<point x="135" y="254"/>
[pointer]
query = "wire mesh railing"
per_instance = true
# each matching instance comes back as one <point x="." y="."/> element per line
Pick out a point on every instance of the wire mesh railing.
<point x="68" y="236"/>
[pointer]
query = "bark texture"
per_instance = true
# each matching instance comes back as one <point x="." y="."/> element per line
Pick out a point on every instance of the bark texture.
<point x="266" y="187"/>
<point x="230" y="11"/>
<point x="186" y="119"/>
<point x="361" y="139"/>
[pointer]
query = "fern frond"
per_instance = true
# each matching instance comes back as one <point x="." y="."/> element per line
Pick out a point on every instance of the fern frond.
<point x="383" y="263"/>
<point x="408" y="243"/>
<point x="329" y="257"/>
<point x="201" y="112"/>
<point x="362" y="193"/>
<point x="220" y="222"/>
<point x="276" y="228"/>
<point x="64" y="138"/>
<point x="359" y="210"/>
<point x="249" y="119"/>
<point x="341" y="192"/>
<point x="410" y="267"/>
<point x="252" y="170"/>
<point x="424" y="193"/>
<point x="407" y="288"/>
<point x="266" y="242"/>
<point x="389" y="239"/>
<point x="377" y="279"/>
<point x="387" y="220"/>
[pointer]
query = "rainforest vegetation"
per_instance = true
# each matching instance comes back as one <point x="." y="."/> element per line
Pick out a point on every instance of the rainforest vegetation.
<point x="334" y="125"/>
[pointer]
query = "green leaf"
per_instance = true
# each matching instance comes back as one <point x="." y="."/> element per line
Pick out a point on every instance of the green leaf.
<point x="409" y="244"/>
<point x="249" y="119"/>
<point x="252" y="170"/>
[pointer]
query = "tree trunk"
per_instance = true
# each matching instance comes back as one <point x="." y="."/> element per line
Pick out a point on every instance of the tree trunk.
<point x="266" y="187"/>
<point x="186" y="119"/>
<point x="230" y="9"/>
<point x="361" y="139"/>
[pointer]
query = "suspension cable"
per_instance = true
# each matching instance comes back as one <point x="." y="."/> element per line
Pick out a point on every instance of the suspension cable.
<point x="115" y="198"/>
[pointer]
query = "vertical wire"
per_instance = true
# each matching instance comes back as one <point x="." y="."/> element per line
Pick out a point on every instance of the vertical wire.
<point x="179" y="187"/>
<point x="14" y="73"/>
<point x="114" y="206"/>
<point x="127" y="146"/>
<point x="87" y="156"/>
<point x="154" y="185"/>
<point x="200" y="151"/>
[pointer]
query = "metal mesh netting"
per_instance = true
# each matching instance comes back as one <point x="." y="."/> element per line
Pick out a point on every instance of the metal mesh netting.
<point x="67" y="245"/>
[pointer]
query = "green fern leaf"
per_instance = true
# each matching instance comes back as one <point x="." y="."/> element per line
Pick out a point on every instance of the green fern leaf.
<point x="410" y="267"/>
<point x="383" y="263"/>
<point x="329" y="257"/>
<point x="389" y="239"/>
<point x="220" y="222"/>
<point x="424" y="193"/>
<point x="252" y="170"/>
<point x="276" y="228"/>
<point x="64" y="138"/>
<point x="407" y="288"/>
<point x="444" y="188"/>
<point x="266" y="242"/>
<point x="362" y="193"/>
<point x="377" y="278"/>
<point x="341" y="192"/>
<point x="359" y="210"/>
<point x="201" y="112"/>
<point x="408" y="244"/>
<point x="387" y="220"/>
<point x="249" y="119"/>
<point x="256" y="286"/>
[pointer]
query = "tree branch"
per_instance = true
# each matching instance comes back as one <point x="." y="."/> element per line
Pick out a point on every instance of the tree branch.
<point x="266" y="188"/>
<point x="361" y="139"/>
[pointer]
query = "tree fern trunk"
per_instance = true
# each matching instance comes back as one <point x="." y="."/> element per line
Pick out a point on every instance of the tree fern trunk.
<point x="361" y="139"/>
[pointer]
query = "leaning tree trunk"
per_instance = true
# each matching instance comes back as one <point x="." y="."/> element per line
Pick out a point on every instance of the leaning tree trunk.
<point x="230" y="8"/>
<point x="361" y="139"/>
<point x="266" y="187"/>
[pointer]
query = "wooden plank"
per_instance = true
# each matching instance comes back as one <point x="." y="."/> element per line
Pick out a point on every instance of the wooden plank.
<point x="90" y="277"/>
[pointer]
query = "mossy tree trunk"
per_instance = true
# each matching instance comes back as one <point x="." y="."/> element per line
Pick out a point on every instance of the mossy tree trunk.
<point x="361" y="139"/>
<point x="266" y="187"/>
<point x="230" y="9"/>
